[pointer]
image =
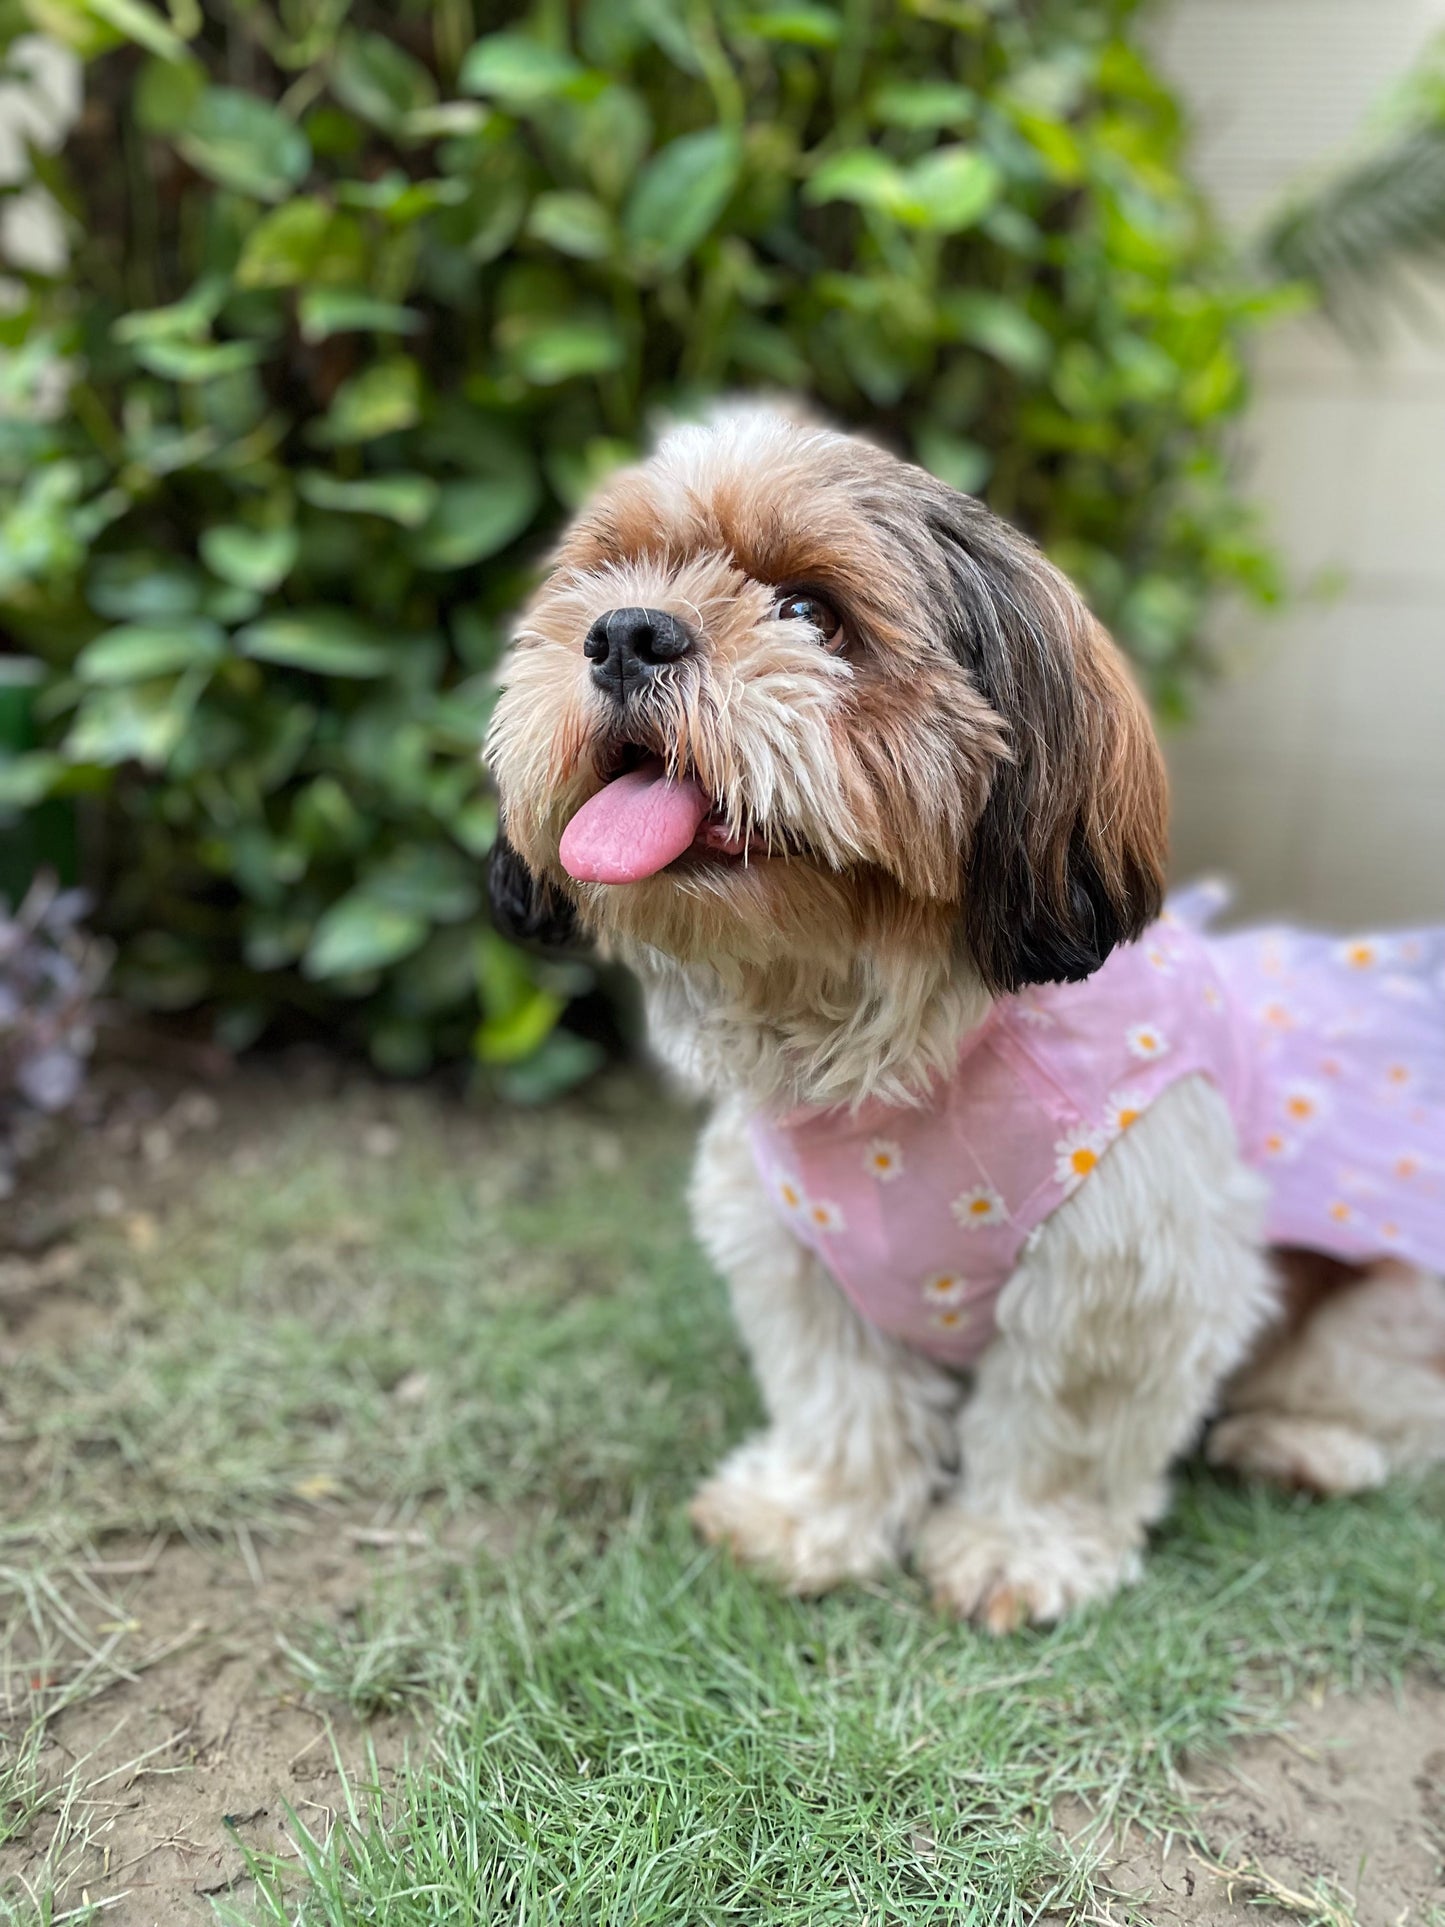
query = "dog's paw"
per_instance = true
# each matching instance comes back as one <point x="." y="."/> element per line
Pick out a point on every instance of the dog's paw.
<point x="1028" y="1569"/>
<point x="1307" y="1455"/>
<point x="799" y="1525"/>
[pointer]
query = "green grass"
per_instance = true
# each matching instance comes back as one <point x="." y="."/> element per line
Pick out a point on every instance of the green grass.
<point x="506" y="1328"/>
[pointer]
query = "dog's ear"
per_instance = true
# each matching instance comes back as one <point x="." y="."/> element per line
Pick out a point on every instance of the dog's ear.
<point x="1067" y="858"/>
<point x="525" y="907"/>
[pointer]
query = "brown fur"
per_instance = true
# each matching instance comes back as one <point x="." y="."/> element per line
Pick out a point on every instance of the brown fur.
<point x="977" y="747"/>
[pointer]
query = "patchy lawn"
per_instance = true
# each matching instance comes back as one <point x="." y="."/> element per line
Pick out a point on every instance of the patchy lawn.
<point x="344" y="1443"/>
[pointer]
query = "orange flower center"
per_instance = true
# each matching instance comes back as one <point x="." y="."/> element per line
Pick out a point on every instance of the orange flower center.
<point x="1083" y="1160"/>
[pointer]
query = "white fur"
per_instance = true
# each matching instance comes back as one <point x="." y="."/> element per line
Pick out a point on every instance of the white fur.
<point x="1355" y="1395"/>
<point x="1116" y="1332"/>
<point x="1032" y="1492"/>
<point x="861" y="1431"/>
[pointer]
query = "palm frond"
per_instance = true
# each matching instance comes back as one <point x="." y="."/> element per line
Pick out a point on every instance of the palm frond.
<point x="1353" y="236"/>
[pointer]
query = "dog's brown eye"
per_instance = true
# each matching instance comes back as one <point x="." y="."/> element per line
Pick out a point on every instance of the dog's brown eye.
<point x="812" y="609"/>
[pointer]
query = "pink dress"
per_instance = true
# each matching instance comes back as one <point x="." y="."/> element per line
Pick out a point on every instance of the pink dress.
<point x="1330" y="1053"/>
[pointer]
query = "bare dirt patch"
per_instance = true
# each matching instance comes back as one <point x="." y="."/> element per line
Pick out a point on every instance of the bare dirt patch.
<point x="209" y="1743"/>
<point x="1341" y="1819"/>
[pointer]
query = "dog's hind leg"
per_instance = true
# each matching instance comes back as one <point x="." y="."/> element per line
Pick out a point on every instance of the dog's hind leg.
<point x="1349" y="1389"/>
<point x="859" y="1432"/>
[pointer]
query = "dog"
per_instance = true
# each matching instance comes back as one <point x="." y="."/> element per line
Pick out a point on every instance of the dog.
<point x="844" y="769"/>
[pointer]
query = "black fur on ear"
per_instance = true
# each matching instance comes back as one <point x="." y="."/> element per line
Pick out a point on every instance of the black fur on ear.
<point x="1067" y="857"/>
<point x="525" y="907"/>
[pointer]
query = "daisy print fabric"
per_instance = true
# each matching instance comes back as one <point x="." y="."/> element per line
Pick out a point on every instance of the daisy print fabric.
<point x="1330" y="1052"/>
<point x="1347" y="1111"/>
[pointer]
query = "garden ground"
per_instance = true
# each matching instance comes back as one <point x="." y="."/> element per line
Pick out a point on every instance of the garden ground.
<point x="345" y="1436"/>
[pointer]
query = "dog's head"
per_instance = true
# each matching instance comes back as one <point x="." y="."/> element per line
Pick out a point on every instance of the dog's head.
<point x="785" y="696"/>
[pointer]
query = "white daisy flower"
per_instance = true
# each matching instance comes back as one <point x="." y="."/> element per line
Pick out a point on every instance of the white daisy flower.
<point x="1213" y="997"/>
<point x="823" y="1216"/>
<point x="1146" y="1041"/>
<point x="1362" y="953"/>
<point x="1278" y="1147"/>
<point x="944" y="1288"/>
<point x="1160" y="959"/>
<point x="1305" y="1104"/>
<point x="791" y="1194"/>
<point x="1033" y="1014"/>
<point x="883" y="1159"/>
<point x="1076" y="1156"/>
<point x="1123" y="1109"/>
<point x="978" y="1208"/>
<point x="952" y="1318"/>
<point x="1341" y="1212"/>
<point x="1276" y="1014"/>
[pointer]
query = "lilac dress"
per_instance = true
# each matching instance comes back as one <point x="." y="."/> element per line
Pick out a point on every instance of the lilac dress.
<point x="1330" y="1053"/>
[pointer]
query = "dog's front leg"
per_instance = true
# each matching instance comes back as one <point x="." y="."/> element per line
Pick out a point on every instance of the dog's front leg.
<point x="1137" y="1299"/>
<point x="860" y="1435"/>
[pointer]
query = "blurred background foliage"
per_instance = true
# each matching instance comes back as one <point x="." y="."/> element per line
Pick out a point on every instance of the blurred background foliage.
<point x="363" y="298"/>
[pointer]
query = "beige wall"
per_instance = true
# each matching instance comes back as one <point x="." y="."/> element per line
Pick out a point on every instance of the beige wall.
<point x="1316" y="776"/>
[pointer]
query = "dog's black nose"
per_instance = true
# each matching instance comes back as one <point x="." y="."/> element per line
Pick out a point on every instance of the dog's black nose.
<point x="626" y="645"/>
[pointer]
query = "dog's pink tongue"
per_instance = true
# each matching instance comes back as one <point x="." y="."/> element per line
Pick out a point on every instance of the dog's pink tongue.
<point x="634" y="827"/>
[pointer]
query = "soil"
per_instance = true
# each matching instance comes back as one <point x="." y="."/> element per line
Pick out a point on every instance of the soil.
<point x="1350" y="1804"/>
<point x="210" y="1744"/>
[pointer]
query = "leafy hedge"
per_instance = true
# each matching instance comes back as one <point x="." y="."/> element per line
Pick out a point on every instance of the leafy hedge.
<point x="362" y="298"/>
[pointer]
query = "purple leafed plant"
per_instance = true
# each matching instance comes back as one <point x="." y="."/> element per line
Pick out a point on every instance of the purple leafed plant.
<point x="50" y="971"/>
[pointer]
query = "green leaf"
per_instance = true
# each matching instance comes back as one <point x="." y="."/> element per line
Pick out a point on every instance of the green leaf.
<point x="681" y="192"/>
<point x="559" y="1065"/>
<point x="380" y="400"/>
<point x="474" y="519"/>
<point x="573" y="224"/>
<point x="137" y="651"/>
<point x="140" y="585"/>
<point x="861" y="175"/>
<point x="28" y="779"/>
<point x="426" y="880"/>
<point x="516" y="1033"/>
<point x="519" y="71"/>
<point x="198" y="360"/>
<point x="188" y="319"/>
<point x="407" y="499"/>
<point x="259" y="559"/>
<point x="359" y="934"/>
<point x="336" y="311"/>
<point x="167" y="92"/>
<point x="243" y="142"/>
<point x="954" y="459"/>
<point x="1002" y="328"/>
<point x="923" y="104"/>
<point x="951" y="189"/>
<point x="141" y="722"/>
<point x="797" y="26"/>
<point x="325" y="641"/>
<point x="140" y="24"/>
<point x="378" y="80"/>
<point x="589" y="345"/>
<point x="285" y="247"/>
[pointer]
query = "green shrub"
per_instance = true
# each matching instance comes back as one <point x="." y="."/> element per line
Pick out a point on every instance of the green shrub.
<point x="361" y="300"/>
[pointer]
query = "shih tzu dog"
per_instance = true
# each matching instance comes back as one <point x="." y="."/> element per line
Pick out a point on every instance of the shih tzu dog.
<point x="1020" y="1181"/>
